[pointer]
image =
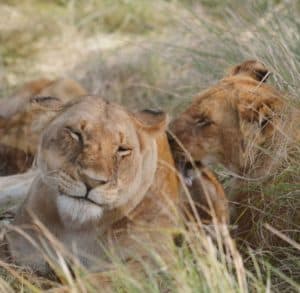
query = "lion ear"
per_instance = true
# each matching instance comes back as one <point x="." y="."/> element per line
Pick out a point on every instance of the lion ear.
<point x="47" y="103"/>
<point x="260" y="111"/>
<point x="251" y="68"/>
<point x="151" y="121"/>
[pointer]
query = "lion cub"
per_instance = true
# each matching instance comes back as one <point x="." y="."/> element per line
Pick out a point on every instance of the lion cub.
<point x="106" y="182"/>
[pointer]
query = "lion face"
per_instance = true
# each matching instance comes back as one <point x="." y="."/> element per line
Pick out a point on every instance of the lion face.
<point x="234" y="123"/>
<point x="94" y="155"/>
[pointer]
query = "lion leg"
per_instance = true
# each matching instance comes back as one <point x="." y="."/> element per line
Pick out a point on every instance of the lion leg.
<point x="207" y="198"/>
<point x="215" y="196"/>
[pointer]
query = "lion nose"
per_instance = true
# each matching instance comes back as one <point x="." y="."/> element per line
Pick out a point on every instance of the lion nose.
<point x="92" y="180"/>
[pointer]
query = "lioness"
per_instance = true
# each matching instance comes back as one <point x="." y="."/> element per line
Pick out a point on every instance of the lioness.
<point x="24" y="115"/>
<point x="105" y="175"/>
<point x="212" y="131"/>
<point x="238" y="123"/>
<point x="242" y="123"/>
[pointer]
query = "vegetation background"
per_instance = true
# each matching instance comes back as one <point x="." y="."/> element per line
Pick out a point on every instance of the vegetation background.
<point x="159" y="54"/>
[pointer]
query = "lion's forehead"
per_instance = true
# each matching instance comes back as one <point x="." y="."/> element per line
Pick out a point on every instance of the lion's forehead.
<point x="212" y="108"/>
<point x="94" y="106"/>
<point x="96" y="114"/>
<point x="224" y="98"/>
<point x="110" y="133"/>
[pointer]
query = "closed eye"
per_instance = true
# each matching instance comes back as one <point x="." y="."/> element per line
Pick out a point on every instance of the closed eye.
<point x="76" y="135"/>
<point x="202" y="122"/>
<point x="124" y="151"/>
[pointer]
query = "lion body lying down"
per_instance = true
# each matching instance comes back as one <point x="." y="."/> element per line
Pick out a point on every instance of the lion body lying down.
<point x="106" y="182"/>
<point x="24" y="115"/>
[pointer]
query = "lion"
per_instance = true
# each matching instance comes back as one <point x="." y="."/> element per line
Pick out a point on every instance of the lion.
<point x="237" y="123"/>
<point x="241" y="123"/>
<point x="202" y="195"/>
<point x="209" y="197"/>
<point x="104" y="175"/>
<point x="24" y="115"/>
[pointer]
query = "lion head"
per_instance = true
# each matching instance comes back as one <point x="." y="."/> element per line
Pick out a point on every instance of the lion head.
<point x="95" y="156"/>
<point x="24" y="115"/>
<point x="238" y="123"/>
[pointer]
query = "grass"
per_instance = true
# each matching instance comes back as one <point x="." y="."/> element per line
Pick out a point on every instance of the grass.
<point x="160" y="54"/>
<point x="197" y="266"/>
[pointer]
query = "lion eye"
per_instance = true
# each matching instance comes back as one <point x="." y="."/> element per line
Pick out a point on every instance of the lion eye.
<point x="76" y="135"/>
<point x="202" y="122"/>
<point x="124" y="151"/>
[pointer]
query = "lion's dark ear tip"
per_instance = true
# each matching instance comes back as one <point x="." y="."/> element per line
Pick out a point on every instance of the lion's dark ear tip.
<point x="252" y="68"/>
<point x="39" y="99"/>
<point x="262" y="75"/>
<point x="47" y="102"/>
<point x="157" y="112"/>
<point x="152" y="120"/>
<point x="155" y="115"/>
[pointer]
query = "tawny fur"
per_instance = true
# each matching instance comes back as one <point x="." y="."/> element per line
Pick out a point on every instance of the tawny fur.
<point x="242" y="123"/>
<point x="27" y="113"/>
<point x="118" y="160"/>
<point x="24" y="115"/>
<point x="202" y="195"/>
<point x="251" y="68"/>
<point x="232" y="122"/>
<point x="208" y="197"/>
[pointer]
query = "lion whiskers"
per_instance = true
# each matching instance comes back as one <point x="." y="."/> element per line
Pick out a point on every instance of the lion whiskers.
<point x="64" y="183"/>
<point x="107" y="197"/>
<point x="77" y="211"/>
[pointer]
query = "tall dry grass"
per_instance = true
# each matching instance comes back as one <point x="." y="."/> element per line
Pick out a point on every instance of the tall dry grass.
<point x="160" y="55"/>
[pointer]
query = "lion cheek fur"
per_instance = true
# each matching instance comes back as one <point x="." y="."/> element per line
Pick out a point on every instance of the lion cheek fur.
<point x="77" y="211"/>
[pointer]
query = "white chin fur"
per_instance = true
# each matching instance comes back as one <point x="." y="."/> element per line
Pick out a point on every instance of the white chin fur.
<point x="77" y="211"/>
